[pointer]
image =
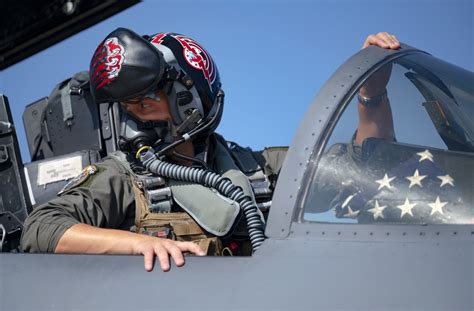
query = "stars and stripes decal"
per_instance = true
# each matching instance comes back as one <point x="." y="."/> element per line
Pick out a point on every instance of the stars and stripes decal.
<point x="415" y="190"/>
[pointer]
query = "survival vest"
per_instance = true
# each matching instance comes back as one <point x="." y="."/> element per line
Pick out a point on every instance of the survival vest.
<point x="191" y="212"/>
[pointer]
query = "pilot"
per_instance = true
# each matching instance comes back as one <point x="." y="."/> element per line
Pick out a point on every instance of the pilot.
<point x="175" y="186"/>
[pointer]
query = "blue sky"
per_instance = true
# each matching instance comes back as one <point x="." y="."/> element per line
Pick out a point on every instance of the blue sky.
<point x="273" y="56"/>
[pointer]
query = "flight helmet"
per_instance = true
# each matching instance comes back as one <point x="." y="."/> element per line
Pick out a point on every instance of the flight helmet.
<point x="127" y="66"/>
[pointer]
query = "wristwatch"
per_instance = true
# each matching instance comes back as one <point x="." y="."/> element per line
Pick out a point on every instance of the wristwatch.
<point x="372" y="101"/>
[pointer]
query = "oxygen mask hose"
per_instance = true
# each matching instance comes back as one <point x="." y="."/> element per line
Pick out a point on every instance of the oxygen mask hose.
<point x="210" y="179"/>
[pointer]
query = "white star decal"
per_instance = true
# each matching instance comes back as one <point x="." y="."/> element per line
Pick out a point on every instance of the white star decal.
<point x="437" y="206"/>
<point x="385" y="182"/>
<point x="377" y="210"/>
<point x="416" y="179"/>
<point x="406" y="208"/>
<point x="425" y="155"/>
<point x="446" y="180"/>
<point x="351" y="213"/>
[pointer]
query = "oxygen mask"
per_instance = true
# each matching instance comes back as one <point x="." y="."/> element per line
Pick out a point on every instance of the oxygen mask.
<point x="136" y="134"/>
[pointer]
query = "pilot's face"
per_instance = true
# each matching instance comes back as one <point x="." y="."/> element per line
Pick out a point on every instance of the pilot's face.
<point x="149" y="108"/>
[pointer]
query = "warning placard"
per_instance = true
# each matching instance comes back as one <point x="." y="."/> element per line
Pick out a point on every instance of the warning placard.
<point x="57" y="170"/>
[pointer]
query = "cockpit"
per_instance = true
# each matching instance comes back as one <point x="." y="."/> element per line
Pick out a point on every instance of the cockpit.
<point x="424" y="175"/>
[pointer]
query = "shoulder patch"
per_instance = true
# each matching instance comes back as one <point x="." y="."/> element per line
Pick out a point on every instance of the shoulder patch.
<point x="80" y="179"/>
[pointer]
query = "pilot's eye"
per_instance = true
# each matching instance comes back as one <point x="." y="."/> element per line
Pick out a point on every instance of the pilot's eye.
<point x="134" y="101"/>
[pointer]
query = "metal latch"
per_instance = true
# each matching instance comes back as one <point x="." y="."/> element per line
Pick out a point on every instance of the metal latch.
<point x="3" y="154"/>
<point x="5" y="127"/>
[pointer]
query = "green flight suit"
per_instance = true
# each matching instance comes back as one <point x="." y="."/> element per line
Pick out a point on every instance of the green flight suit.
<point x="104" y="199"/>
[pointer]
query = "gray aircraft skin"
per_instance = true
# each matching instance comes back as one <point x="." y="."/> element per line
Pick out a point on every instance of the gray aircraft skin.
<point x="304" y="264"/>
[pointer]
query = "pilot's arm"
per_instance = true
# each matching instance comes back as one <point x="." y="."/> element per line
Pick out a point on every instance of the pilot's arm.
<point x="375" y="115"/>
<point x="85" y="219"/>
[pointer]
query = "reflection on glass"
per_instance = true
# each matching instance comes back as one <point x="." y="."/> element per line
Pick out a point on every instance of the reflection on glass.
<point x="402" y="151"/>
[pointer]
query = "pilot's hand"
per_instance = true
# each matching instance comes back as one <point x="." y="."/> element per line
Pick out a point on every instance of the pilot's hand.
<point x="87" y="239"/>
<point x="383" y="40"/>
<point x="150" y="247"/>
<point x="378" y="81"/>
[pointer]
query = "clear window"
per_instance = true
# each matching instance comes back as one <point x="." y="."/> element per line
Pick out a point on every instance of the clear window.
<point x="404" y="158"/>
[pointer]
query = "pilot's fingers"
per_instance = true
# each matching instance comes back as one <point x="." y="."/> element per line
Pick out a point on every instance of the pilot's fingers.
<point x="383" y="40"/>
<point x="191" y="247"/>
<point x="163" y="257"/>
<point x="176" y="254"/>
<point x="395" y="42"/>
<point x="377" y="40"/>
<point x="390" y="39"/>
<point x="372" y="40"/>
<point x="148" y="257"/>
